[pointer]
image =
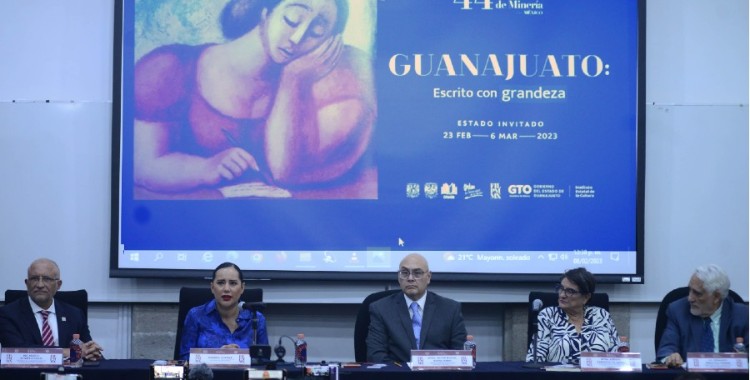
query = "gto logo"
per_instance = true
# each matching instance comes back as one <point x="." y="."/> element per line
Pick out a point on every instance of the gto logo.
<point x="519" y="189"/>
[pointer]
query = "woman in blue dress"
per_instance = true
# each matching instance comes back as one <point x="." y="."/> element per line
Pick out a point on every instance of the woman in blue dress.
<point x="222" y="323"/>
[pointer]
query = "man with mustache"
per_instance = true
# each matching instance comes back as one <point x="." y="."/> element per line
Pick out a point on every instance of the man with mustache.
<point x="704" y="321"/>
<point x="41" y="321"/>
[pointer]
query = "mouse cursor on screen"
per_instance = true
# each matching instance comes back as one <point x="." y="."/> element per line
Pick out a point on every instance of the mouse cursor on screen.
<point x="400" y="242"/>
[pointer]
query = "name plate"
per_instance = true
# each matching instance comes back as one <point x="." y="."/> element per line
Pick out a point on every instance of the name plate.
<point x="261" y="374"/>
<point x="220" y="357"/>
<point x="60" y="376"/>
<point x="422" y="360"/>
<point x="31" y="357"/>
<point x="611" y="362"/>
<point x="716" y="362"/>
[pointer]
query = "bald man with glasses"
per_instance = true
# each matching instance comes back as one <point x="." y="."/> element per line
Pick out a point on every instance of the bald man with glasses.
<point x="41" y="321"/>
<point x="414" y="318"/>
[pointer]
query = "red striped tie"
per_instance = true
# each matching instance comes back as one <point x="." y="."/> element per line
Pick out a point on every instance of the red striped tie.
<point x="47" y="338"/>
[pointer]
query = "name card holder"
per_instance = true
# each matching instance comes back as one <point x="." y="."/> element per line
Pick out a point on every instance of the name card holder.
<point x="441" y="360"/>
<point x="61" y="376"/>
<point x="31" y="357"/>
<point x="717" y="362"/>
<point x="258" y="374"/>
<point x="611" y="362"/>
<point x="220" y="357"/>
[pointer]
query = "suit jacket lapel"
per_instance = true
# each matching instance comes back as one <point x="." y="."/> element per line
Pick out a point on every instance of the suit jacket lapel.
<point x="696" y="329"/>
<point x="402" y="309"/>
<point x="725" y="340"/>
<point x="29" y="319"/>
<point x="427" y="316"/>
<point x="63" y="326"/>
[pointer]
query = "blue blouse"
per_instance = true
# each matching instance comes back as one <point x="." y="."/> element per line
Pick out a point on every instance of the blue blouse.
<point x="558" y="340"/>
<point x="205" y="329"/>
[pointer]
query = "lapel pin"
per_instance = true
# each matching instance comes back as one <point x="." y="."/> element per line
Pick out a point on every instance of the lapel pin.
<point x="64" y="319"/>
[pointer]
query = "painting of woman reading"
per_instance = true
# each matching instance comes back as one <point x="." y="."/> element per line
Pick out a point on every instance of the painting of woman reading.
<point x="279" y="106"/>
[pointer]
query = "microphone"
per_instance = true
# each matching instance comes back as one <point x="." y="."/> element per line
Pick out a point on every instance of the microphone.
<point x="200" y="372"/>
<point x="253" y="306"/>
<point x="536" y="307"/>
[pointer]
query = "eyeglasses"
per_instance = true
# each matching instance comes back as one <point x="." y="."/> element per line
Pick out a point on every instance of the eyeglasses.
<point x="568" y="291"/>
<point x="46" y="280"/>
<point x="417" y="274"/>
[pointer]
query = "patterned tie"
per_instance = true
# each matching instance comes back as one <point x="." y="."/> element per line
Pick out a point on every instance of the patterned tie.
<point x="416" y="321"/>
<point x="47" y="338"/>
<point x="707" y="341"/>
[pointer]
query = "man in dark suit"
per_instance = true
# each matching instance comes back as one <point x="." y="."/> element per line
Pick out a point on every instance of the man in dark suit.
<point x="704" y="321"/>
<point x="413" y="319"/>
<point x="39" y="320"/>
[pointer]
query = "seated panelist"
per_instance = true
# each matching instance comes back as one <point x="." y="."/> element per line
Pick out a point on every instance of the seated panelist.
<point x="41" y="321"/>
<point x="707" y="320"/>
<point x="222" y="323"/>
<point x="572" y="327"/>
<point x="414" y="318"/>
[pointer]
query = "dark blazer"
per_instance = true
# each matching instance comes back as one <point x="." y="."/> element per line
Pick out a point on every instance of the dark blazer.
<point x="684" y="330"/>
<point x="18" y="327"/>
<point x="391" y="337"/>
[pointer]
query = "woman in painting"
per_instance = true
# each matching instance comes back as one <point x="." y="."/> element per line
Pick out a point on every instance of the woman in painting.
<point x="284" y="100"/>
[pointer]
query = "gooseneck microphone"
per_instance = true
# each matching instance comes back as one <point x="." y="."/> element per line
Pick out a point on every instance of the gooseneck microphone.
<point x="536" y="307"/>
<point x="259" y="353"/>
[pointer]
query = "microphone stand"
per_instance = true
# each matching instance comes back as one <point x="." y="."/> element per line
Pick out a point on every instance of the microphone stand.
<point x="536" y="363"/>
<point x="254" y="326"/>
<point x="255" y="359"/>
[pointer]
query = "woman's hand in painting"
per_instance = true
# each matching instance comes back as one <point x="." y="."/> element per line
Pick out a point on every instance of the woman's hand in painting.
<point x="317" y="63"/>
<point x="229" y="164"/>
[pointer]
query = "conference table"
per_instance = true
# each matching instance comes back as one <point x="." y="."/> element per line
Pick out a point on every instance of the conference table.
<point x="133" y="369"/>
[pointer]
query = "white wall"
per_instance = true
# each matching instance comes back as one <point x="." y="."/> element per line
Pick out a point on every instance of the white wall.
<point x="55" y="160"/>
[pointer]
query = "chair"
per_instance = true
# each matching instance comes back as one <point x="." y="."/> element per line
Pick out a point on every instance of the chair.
<point x="674" y="295"/>
<point x="192" y="297"/>
<point x="362" y="324"/>
<point x="77" y="298"/>
<point x="550" y="299"/>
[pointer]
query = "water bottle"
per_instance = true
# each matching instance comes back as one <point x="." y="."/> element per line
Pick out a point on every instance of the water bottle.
<point x="623" y="345"/>
<point x="471" y="346"/>
<point x="300" y="351"/>
<point x="76" y="351"/>
<point x="739" y="346"/>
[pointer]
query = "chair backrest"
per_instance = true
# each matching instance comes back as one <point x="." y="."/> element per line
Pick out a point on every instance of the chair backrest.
<point x="674" y="295"/>
<point x="362" y="323"/>
<point x="191" y="297"/>
<point x="77" y="298"/>
<point x="550" y="299"/>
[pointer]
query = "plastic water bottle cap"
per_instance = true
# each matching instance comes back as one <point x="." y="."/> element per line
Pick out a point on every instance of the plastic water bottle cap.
<point x="76" y="336"/>
<point x="300" y="336"/>
<point x="470" y="337"/>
